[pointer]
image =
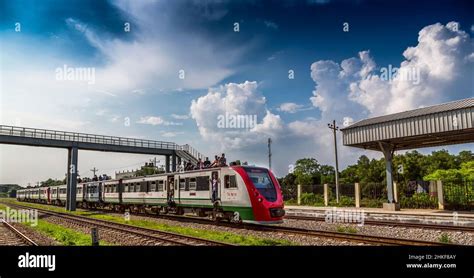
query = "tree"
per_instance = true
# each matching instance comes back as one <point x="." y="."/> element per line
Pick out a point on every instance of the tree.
<point x="441" y="160"/>
<point x="464" y="156"/>
<point x="306" y="169"/>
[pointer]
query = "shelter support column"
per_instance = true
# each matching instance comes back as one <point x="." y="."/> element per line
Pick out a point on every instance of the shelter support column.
<point x="71" y="179"/>
<point x="387" y="151"/>
<point x="167" y="164"/>
<point x="173" y="162"/>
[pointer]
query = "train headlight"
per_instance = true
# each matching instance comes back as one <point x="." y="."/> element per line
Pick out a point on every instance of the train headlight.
<point x="260" y="200"/>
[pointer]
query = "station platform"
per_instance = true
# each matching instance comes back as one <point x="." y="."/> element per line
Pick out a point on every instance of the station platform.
<point x="404" y="215"/>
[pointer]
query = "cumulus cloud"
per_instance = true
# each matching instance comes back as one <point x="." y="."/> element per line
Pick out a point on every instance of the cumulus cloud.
<point x="234" y="99"/>
<point x="439" y="68"/>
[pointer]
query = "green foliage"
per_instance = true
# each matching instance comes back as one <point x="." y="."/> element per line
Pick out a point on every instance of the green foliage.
<point x="51" y="182"/>
<point x="444" y="238"/>
<point x="418" y="200"/>
<point x="344" y="201"/>
<point x="372" y="203"/>
<point x="346" y="229"/>
<point x="152" y="224"/>
<point x="306" y="170"/>
<point x="311" y="199"/>
<point x="465" y="172"/>
<point x="8" y="190"/>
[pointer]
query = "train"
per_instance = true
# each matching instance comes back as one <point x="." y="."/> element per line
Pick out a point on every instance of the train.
<point x="240" y="193"/>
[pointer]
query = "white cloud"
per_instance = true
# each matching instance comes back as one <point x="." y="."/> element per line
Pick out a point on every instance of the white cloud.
<point x="153" y="120"/>
<point x="180" y="117"/>
<point x="235" y="99"/>
<point x="442" y="70"/>
<point x="171" y="134"/>
<point x="290" y="107"/>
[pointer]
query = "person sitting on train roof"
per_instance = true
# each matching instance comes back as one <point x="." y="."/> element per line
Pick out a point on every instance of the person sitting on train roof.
<point x="199" y="165"/>
<point x="222" y="161"/>
<point x="207" y="163"/>
<point x="215" y="163"/>
<point x="189" y="166"/>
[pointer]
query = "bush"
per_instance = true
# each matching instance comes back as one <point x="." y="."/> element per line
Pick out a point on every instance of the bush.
<point x="372" y="203"/>
<point x="418" y="200"/>
<point x="344" y="201"/>
<point x="311" y="199"/>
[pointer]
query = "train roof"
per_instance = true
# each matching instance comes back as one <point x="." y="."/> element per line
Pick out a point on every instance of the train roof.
<point x="155" y="175"/>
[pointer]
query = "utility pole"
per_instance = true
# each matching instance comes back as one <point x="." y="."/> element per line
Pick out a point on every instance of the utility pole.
<point x="270" y="153"/>
<point x="334" y="129"/>
<point x="94" y="170"/>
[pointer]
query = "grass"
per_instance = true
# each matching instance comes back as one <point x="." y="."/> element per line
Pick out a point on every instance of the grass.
<point x="226" y="237"/>
<point x="63" y="235"/>
<point x="444" y="238"/>
<point x="343" y="229"/>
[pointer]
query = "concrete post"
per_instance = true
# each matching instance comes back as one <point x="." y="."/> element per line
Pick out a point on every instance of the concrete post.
<point x="299" y="194"/>
<point x="326" y="195"/>
<point x="439" y="187"/>
<point x="357" y="194"/>
<point x="71" y="179"/>
<point x="395" y="192"/>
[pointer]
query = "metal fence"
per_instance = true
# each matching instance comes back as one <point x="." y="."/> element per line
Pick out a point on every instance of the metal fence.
<point x="373" y="190"/>
<point x="458" y="194"/>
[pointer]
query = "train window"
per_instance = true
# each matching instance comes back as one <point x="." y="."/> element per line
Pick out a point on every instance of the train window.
<point x="230" y="181"/>
<point x="160" y="186"/>
<point x="125" y="187"/>
<point x="153" y="186"/>
<point x="182" y="184"/>
<point x="202" y="183"/>
<point x="192" y="184"/>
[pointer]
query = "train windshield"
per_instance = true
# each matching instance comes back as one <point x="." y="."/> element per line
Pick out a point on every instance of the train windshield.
<point x="263" y="182"/>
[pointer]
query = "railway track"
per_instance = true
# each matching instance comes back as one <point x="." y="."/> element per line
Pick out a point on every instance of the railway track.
<point x="129" y="233"/>
<point x="393" y="223"/>
<point x="12" y="236"/>
<point x="368" y="239"/>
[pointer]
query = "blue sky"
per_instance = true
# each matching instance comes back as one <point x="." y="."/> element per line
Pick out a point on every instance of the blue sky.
<point x="137" y="82"/>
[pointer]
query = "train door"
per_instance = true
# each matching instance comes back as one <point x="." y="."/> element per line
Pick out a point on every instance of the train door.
<point x="99" y="188"/>
<point x="214" y="192"/>
<point x="120" y="190"/>
<point x="48" y="192"/>
<point x="171" y="189"/>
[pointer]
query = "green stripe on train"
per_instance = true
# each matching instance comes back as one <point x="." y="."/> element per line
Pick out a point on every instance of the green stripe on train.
<point x="246" y="213"/>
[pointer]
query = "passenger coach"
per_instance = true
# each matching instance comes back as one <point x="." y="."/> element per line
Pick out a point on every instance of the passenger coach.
<point x="243" y="194"/>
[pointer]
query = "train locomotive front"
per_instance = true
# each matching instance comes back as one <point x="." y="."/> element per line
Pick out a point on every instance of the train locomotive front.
<point x="264" y="192"/>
